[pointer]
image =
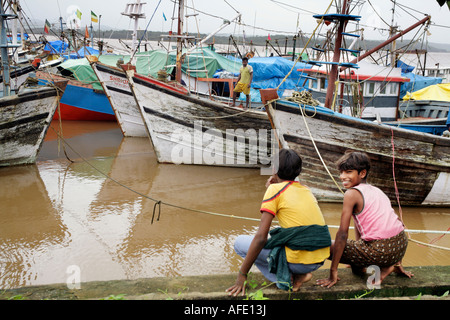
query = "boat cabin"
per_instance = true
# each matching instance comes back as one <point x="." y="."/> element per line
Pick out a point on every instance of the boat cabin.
<point x="370" y="92"/>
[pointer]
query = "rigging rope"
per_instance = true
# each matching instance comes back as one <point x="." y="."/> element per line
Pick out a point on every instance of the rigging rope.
<point x="304" y="48"/>
<point x="145" y="31"/>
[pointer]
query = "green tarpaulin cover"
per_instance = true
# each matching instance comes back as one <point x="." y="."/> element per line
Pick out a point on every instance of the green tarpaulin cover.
<point x="149" y="63"/>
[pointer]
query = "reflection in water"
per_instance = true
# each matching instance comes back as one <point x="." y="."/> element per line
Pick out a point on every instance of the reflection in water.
<point x="56" y="214"/>
<point x="30" y="227"/>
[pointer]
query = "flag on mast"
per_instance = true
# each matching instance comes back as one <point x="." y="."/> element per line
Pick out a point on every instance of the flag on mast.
<point x="94" y="17"/>
<point x="86" y="33"/>
<point x="79" y="14"/>
<point x="47" y="26"/>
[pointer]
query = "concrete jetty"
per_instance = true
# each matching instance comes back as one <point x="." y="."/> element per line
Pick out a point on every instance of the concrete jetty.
<point x="429" y="281"/>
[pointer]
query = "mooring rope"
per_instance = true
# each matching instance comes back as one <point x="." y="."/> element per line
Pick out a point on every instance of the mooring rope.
<point x="299" y="99"/>
<point x="158" y="204"/>
<point x="317" y="150"/>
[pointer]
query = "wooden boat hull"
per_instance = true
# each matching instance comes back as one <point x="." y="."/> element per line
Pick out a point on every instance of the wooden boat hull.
<point x="424" y="109"/>
<point x="192" y="130"/>
<point x="115" y="83"/>
<point x="80" y="102"/>
<point x="421" y="161"/>
<point x="24" y="121"/>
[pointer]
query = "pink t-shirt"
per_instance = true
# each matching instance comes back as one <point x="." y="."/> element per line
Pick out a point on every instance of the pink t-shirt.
<point x="377" y="220"/>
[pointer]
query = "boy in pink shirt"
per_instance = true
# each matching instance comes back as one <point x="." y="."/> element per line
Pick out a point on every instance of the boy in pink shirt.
<point x="380" y="236"/>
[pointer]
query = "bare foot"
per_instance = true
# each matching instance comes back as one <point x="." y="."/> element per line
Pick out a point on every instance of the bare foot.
<point x="300" y="279"/>
<point x="398" y="268"/>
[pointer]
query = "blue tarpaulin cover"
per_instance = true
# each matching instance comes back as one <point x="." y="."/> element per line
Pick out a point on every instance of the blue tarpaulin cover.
<point x="269" y="72"/>
<point x="416" y="82"/>
<point x="57" y="46"/>
<point x="84" y="51"/>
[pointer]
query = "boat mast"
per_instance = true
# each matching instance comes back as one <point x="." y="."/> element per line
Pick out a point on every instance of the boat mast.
<point x="134" y="11"/>
<point x="4" y="50"/>
<point x="225" y="23"/>
<point x="335" y="68"/>
<point x="385" y="43"/>
<point x="336" y="58"/>
<point x="392" y="31"/>
<point x="13" y="10"/>
<point x="179" y="40"/>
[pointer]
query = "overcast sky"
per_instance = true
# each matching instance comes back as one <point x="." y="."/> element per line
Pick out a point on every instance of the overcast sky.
<point x="268" y="16"/>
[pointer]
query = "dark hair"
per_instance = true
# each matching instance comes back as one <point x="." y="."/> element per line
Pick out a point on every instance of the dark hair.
<point x="244" y="58"/>
<point x="289" y="164"/>
<point x="354" y="160"/>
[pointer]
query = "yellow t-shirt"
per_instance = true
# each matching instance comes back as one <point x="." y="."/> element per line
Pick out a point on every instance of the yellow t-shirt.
<point x="246" y="74"/>
<point x="294" y="205"/>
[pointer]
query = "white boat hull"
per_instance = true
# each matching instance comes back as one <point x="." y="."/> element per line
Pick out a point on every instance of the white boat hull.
<point x="24" y="121"/>
<point x="192" y="130"/>
<point x="115" y="85"/>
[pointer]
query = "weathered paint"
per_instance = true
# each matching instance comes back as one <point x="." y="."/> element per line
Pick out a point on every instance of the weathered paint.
<point x="188" y="129"/>
<point x="80" y="102"/>
<point x="117" y="89"/>
<point x="418" y="160"/>
<point x="24" y="121"/>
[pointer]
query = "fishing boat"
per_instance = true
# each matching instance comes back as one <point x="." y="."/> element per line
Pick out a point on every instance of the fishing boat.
<point x="84" y="98"/>
<point x="116" y="87"/>
<point x="115" y="84"/>
<point x="410" y="167"/>
<point x="185" y="128"/>
<point x="190" y="129"/>
<point x="24" y="120"/>
<point x="24" y="117"/>
<point x="430" y="102"/>
<point x="369" y="91"/>
<point x="421" y="161"/>
<point x="354" y="86"/>
<point x="27" y="57"/>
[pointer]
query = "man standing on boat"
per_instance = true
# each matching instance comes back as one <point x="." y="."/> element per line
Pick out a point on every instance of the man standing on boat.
<point x="244" y="81"/>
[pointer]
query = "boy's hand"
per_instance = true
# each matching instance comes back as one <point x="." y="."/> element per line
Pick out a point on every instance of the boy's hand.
<point x="331" y="281"/>
<point x="239" y="286"/>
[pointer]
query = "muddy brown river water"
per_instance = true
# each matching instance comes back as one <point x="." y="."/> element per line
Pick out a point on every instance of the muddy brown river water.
<point x="61" y="219"/>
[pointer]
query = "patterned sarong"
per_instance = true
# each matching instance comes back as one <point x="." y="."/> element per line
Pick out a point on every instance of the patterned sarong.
<point x="382" y="253"/>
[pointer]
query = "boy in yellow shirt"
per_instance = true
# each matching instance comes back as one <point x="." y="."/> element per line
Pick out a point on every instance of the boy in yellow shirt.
<point x="244" y="81"/>
<point x="300" y="246"/>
